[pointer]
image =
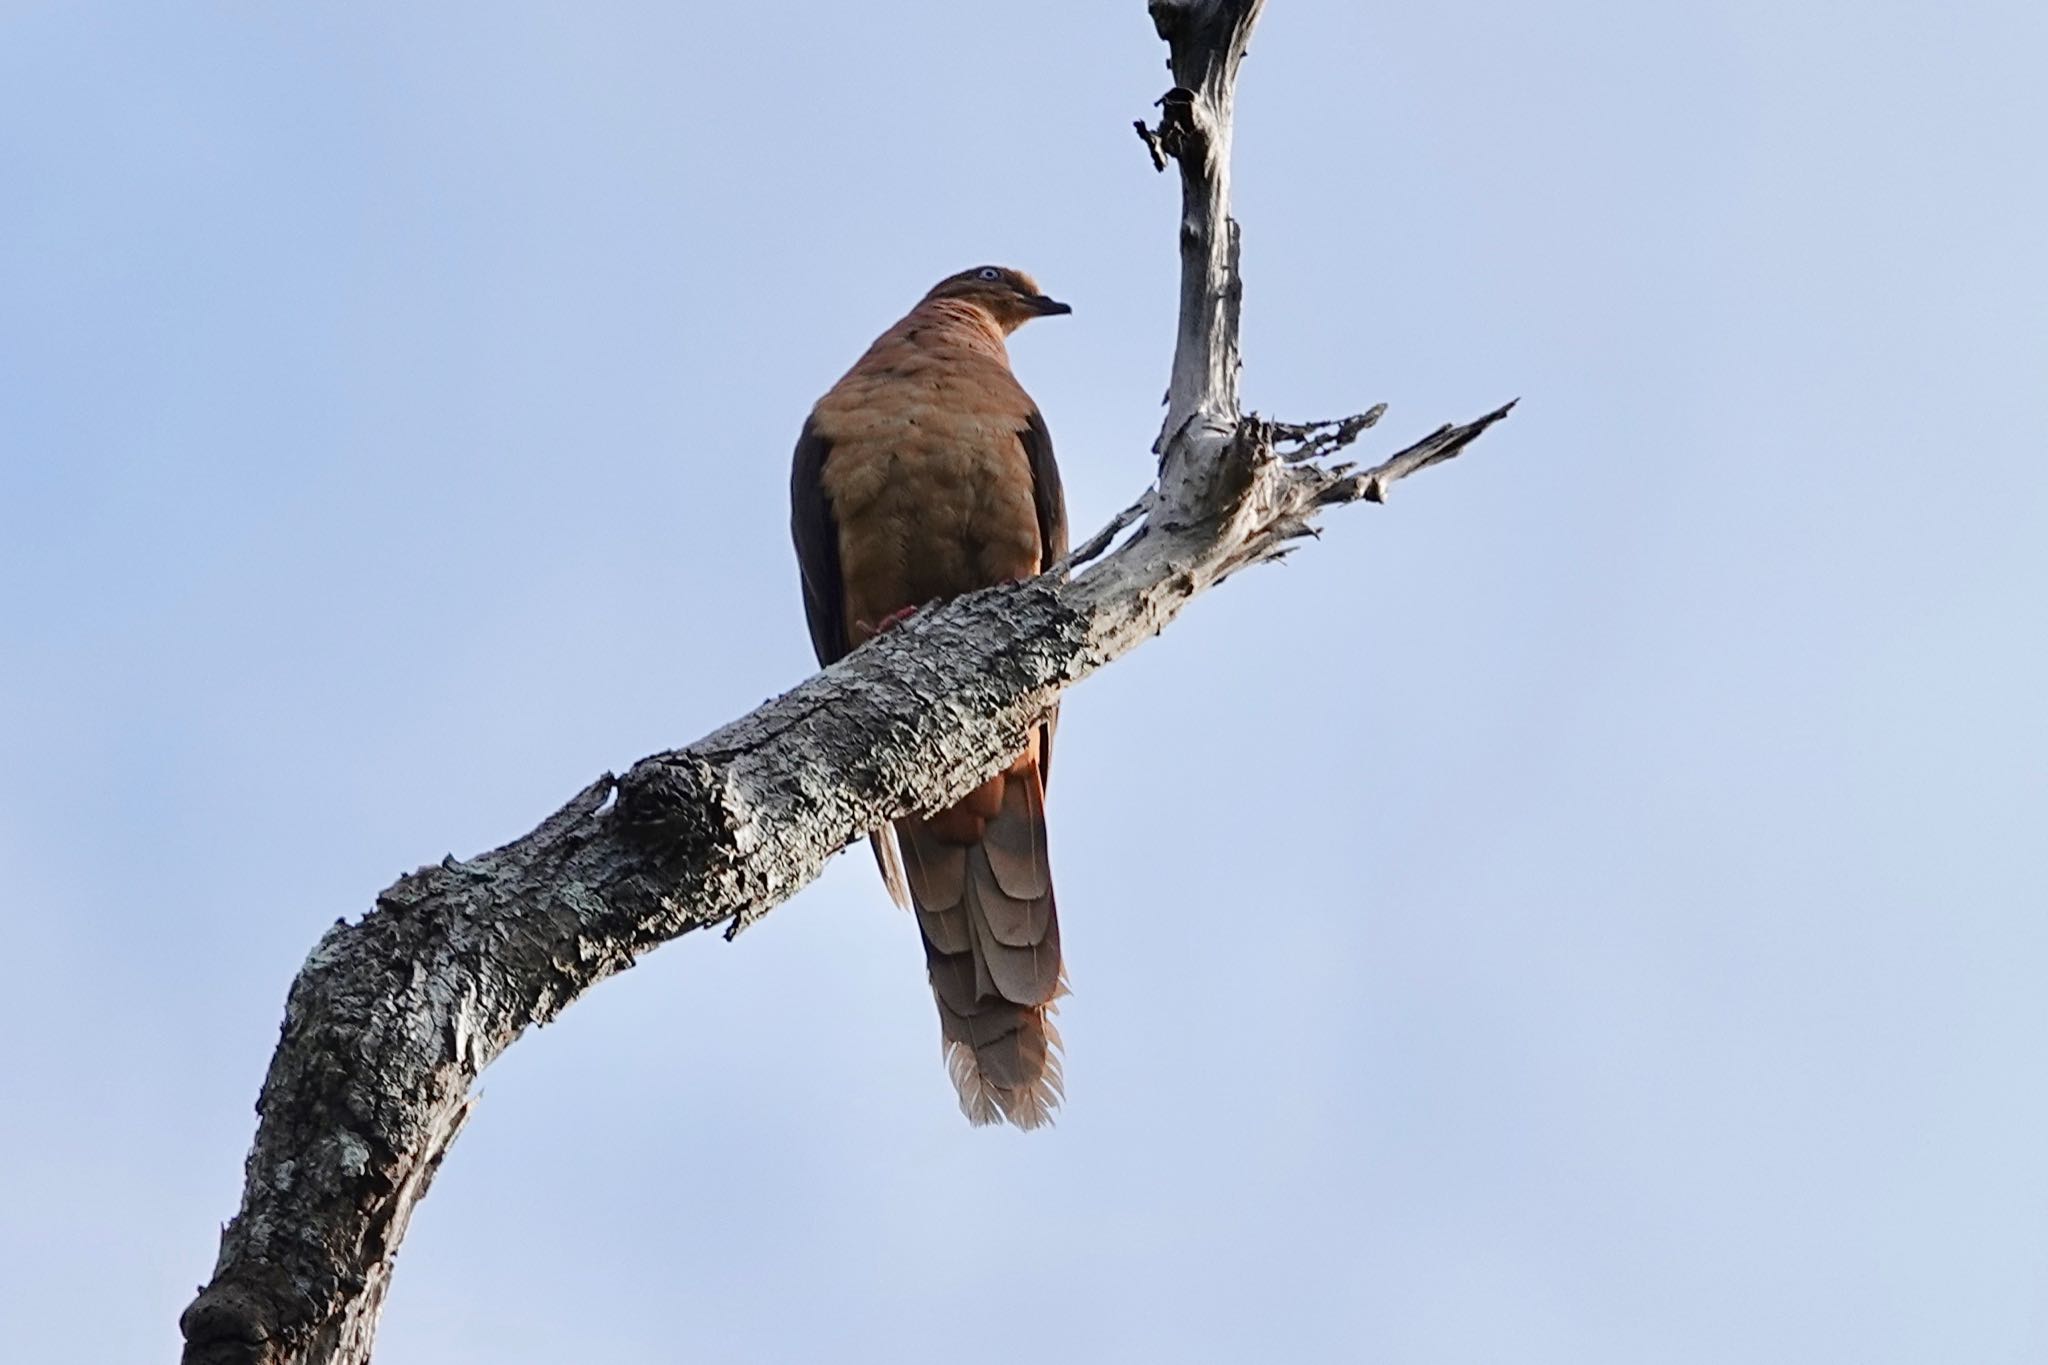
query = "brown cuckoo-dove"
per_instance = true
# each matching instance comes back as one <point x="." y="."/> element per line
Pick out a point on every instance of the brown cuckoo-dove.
<point x="924" y="473"/>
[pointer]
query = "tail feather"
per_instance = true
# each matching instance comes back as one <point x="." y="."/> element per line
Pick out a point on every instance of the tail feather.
<point x="936" y="874"/>
<point x="1005" y="1062"/>
<point x="991" y="937"/>
<point x="936" y="871"/>
<point x="1018" y="941"/>
<point x="1015" y="841"/>
<point x="890" y="860"/>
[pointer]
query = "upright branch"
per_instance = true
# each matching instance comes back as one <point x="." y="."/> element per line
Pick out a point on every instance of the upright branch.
<point x="1206" y="40"/>
<point x="394" y="1016"/>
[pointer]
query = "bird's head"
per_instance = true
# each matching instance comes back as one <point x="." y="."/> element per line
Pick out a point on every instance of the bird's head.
<point x="1011" y="297"/>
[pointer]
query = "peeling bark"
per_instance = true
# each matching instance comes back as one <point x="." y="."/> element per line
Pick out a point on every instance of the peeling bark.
<point x="393" y="1017"/>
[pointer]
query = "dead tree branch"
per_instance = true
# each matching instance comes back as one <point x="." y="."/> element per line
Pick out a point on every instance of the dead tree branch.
<point x="394" y="1016"/>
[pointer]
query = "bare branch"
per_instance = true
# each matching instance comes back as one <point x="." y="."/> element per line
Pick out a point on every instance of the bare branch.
<point x="1440" y="445"/>
<point x="393" y="1017"/>
<point x="1152" y="144"/>
<point x="1320" y="440"/>
<point x="1205" y="40"/>
<point x="1093" y="547"/>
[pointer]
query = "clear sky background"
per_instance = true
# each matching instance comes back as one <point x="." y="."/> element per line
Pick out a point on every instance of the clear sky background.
<point x="1589" y="910"/>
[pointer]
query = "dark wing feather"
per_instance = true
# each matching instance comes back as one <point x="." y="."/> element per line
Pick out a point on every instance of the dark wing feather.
<point x="1046" y="492"/>
<point x="1051" y="500"/>
<point x="816" y="532"/>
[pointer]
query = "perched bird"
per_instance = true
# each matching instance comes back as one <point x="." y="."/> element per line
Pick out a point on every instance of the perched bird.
<point x="924" y="473"/>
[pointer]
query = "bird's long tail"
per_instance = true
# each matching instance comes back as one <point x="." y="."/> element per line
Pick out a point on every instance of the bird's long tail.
<point x="981" y="885"/>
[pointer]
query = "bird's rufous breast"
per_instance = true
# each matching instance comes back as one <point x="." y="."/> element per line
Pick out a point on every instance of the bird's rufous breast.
<point x="928" y="479"/>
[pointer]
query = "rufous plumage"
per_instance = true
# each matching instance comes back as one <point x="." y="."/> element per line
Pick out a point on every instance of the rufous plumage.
<point x="924" y="473"/>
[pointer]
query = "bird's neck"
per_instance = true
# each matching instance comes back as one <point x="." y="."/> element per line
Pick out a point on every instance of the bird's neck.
<point x="962" y="323"/>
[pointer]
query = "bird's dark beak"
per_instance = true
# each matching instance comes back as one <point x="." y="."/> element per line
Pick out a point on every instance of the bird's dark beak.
<point x="1045" y="307"/>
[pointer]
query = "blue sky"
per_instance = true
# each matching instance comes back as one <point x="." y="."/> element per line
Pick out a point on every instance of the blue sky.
<point x="1590" y="910"/>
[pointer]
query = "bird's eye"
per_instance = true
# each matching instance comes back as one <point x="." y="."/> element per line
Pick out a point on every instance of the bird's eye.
<point x="989" y="272"/>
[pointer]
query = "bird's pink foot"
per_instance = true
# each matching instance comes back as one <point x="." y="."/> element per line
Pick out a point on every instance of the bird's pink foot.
<point x="895" y="618"/>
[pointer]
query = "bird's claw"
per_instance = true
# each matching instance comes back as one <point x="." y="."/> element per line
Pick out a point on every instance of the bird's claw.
<point x="895" y="618"/>
<point x="869" y="630"/>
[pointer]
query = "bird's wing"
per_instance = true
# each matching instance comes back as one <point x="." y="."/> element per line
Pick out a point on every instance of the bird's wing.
<point x="1051" y="501"/>
<point x="1046" y="493"/>
<point x="816" y="533"/>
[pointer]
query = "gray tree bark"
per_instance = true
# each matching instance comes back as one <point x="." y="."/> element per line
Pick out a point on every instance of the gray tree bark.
<point x="393" y="1017"/>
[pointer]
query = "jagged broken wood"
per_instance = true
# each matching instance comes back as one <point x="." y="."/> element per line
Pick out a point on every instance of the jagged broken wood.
<point x="393" y="1017"/>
